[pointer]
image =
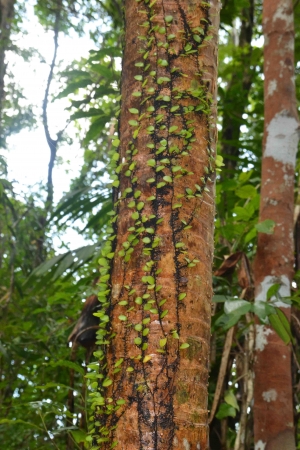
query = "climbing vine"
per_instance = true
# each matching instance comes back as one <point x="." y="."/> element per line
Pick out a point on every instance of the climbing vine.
<point x="154" y="263"/>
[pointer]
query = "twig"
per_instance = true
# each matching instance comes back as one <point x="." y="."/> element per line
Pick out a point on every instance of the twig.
<point x="222" y="372"/>
<point x="45" y="427"/>
<point x="247" y="386"/>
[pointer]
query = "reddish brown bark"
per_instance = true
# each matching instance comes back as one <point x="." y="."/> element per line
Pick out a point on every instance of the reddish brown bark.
<point x="273" y="404"/>
<point x="164" y="387"/>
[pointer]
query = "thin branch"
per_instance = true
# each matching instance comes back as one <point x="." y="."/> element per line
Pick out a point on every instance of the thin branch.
<point x="52" y="143"/>
<point x="247" y="383"/>
<point x="222" y="372"/>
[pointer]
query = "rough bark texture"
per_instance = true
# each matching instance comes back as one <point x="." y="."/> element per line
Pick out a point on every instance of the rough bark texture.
<point x="6" y="16"/>
<point x="161" y="279"/>
<point x="273" y="404"/>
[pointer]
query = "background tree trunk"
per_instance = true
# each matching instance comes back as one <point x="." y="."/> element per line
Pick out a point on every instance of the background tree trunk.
<point x="6" y="17"/>
<point x="155" y="385"/>
<point x="273" y="404"/>
<point x="237" y="92"/>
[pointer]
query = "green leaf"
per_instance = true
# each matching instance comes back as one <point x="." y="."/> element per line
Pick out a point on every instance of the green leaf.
<point x="267" y="226"/>
<point x="90" y="113"/>
<point x="162" y="342"/>
<point x="162" y="62"/>
<point x="74" y="86"/>
<point x="281" y="325"/>
<point x="230" y="399"/>
<point x="69" y="365"/>
<point x="123" y="318"/>
<point x="164" y="313"/>
<point x="79" y="436"/>
<point x="161" y="80"/>
<point x="219" y="161"/>
<point x="173" y="128"/>
<point x="221" y="298"/>
<point x="263" y="309"/>
<point x="107" y="382"/>
<point x="246" y="191"/>
<point x="96" y="127"/>
<point x="119" y="362"/>
<point x="133" y="110"/>
<point x="105" y="71"/>
<point x="243" y="213"/>
<point x="225" y="410"/>
<point x="123" y="303"/>
<point x="184" y="345"/>
<point x="23" y="422"/>
<point x="237" y="307"/>
<point x="273" y="290"/>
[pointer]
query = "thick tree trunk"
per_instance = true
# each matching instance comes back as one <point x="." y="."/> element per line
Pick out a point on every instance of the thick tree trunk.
<point x="154" y="394"/>
<point x="273" y="403"/>
<point x="6" y="17"/>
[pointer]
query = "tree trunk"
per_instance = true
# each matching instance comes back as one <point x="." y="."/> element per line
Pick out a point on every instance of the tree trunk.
<point x="273" y="403"/>
<point x="237" y="92"/>
<point x="154" y="391"/>
<point x="6" y="17"/>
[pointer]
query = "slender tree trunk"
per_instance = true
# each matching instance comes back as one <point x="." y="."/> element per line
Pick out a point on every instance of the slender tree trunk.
<point x="237" y="91"/>
<point x="154" y="391"/>
<point x="273" y="403"/>
<point x="6" y="17"/>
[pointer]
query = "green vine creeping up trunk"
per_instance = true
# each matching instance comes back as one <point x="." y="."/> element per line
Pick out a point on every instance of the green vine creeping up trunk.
<point x="155" y="284"/>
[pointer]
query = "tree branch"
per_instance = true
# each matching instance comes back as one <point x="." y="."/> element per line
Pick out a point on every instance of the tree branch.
<point x="52" y="143"/>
